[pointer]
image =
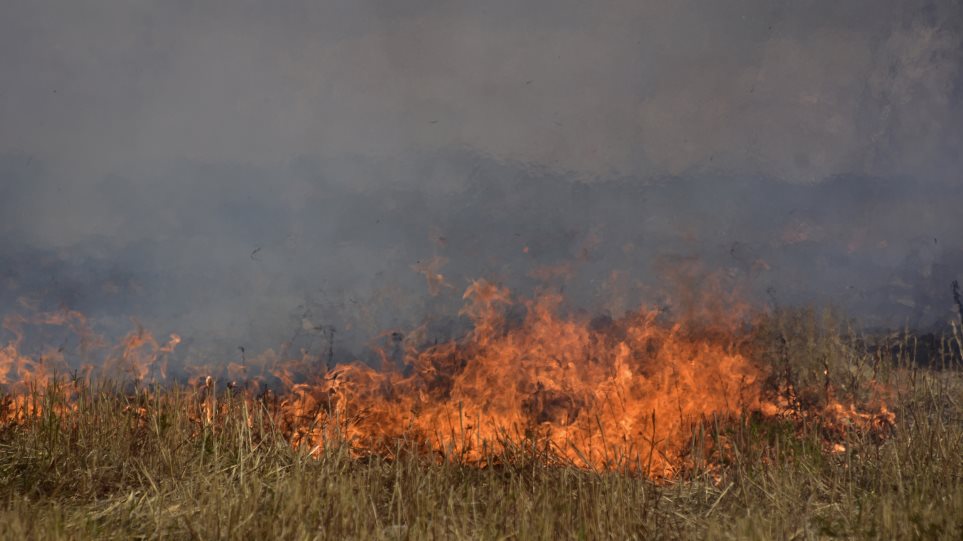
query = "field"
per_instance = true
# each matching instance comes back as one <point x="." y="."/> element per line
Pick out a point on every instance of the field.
<point x="120" y="461"/>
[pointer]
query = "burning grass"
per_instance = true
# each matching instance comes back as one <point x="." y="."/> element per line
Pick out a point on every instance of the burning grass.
<point x="545" y="426"/>
<point x="613" y="395"/>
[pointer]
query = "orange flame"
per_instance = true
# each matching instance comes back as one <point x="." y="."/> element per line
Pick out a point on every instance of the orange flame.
<point x="604" y="393"/>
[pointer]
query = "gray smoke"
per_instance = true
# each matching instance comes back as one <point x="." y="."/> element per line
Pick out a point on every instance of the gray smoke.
<point x="245" y="173"/>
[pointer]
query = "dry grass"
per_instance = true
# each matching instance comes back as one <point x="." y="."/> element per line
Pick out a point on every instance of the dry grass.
<point x="140" y="465"/>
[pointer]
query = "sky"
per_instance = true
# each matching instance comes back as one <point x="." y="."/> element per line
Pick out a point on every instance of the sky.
<point x="237" y="171"/>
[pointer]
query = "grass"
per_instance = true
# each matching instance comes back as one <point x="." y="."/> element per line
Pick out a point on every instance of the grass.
<point x="146" y="465"/>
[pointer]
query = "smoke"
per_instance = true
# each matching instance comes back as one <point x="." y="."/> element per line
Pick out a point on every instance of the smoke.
<point x="238" y="173"/>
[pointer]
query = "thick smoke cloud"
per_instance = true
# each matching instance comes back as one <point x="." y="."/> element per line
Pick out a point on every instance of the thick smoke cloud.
<point x="236" y="172"/>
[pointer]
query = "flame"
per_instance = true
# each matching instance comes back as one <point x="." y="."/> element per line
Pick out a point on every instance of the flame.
<point x="28" y="371"/>
<point x="602" y="393"/>
<point x="429" y="269"/>
<point x="139" y="352"/>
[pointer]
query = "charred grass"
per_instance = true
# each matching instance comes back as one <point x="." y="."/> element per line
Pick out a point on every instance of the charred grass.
<point x="108" y="462"/>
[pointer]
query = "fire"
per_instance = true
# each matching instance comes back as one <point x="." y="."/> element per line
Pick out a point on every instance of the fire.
<point x="27" y="377"/>
<point x="25" y="370"/>
<point x="140" y="353"/>
<point x="602" y="393"/>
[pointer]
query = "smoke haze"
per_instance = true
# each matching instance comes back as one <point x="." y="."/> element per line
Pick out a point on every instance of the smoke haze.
<point x="234" y="171"/>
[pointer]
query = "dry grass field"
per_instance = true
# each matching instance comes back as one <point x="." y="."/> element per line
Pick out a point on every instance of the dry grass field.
<point x="102" y="461"/>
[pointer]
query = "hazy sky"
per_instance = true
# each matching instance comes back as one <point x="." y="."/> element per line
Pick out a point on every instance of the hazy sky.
<point x="226" y="166"/>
